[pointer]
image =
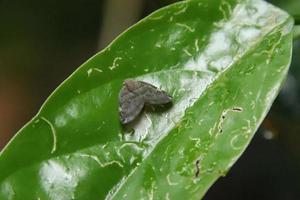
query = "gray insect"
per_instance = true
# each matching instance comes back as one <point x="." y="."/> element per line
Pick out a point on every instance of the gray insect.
<point x="135" y="94"/>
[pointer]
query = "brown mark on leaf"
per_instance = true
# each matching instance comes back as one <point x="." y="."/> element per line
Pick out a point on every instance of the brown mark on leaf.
<point x="237" y="109"/>
<point x="197" y="173"/>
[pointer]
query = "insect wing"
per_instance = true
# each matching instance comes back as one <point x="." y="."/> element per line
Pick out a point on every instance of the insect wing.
<point x="130" y="105"/>
<point x="155" y="96"/>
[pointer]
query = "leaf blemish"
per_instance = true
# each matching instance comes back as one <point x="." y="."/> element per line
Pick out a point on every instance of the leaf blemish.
<point x="169" y="181"/>
<point x="197" y="45"/>
<point x="167" y="197"/>
<point x="197" y="165"/>
<point x="197" y="141"/>
<point x="221" y="122"/>
<point x="115" y="64"/>
<point x="223" y="116"/>
<point x="190" y="29"/>
<point x="91" y="70"/>
<point x="102" y="165"/>
<point x="53" y="131"/>
<point x="180" y="11"/>
<point x="187" y="52"/>
<point x="237" y="109"/>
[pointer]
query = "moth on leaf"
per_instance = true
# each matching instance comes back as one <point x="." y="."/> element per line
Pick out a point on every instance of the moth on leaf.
<point x="135" y="94"/>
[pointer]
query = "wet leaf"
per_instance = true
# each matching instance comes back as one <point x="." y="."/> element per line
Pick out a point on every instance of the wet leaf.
<point x="223" y="62"/>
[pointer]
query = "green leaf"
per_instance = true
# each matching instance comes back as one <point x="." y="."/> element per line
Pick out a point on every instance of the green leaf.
<point x="222" y="61"/>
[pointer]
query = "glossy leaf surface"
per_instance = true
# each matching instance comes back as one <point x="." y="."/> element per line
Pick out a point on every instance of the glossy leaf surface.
<point x="222" y="61"/>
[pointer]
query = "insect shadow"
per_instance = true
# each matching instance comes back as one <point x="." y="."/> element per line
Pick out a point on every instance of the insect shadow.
<point x="148" y="108"/>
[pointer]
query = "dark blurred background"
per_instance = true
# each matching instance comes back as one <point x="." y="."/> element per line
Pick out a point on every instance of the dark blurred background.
<point x="42" y="42"/>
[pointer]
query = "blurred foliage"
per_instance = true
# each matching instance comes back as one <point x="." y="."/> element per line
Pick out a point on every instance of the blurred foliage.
<point x="41" y="43"/>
